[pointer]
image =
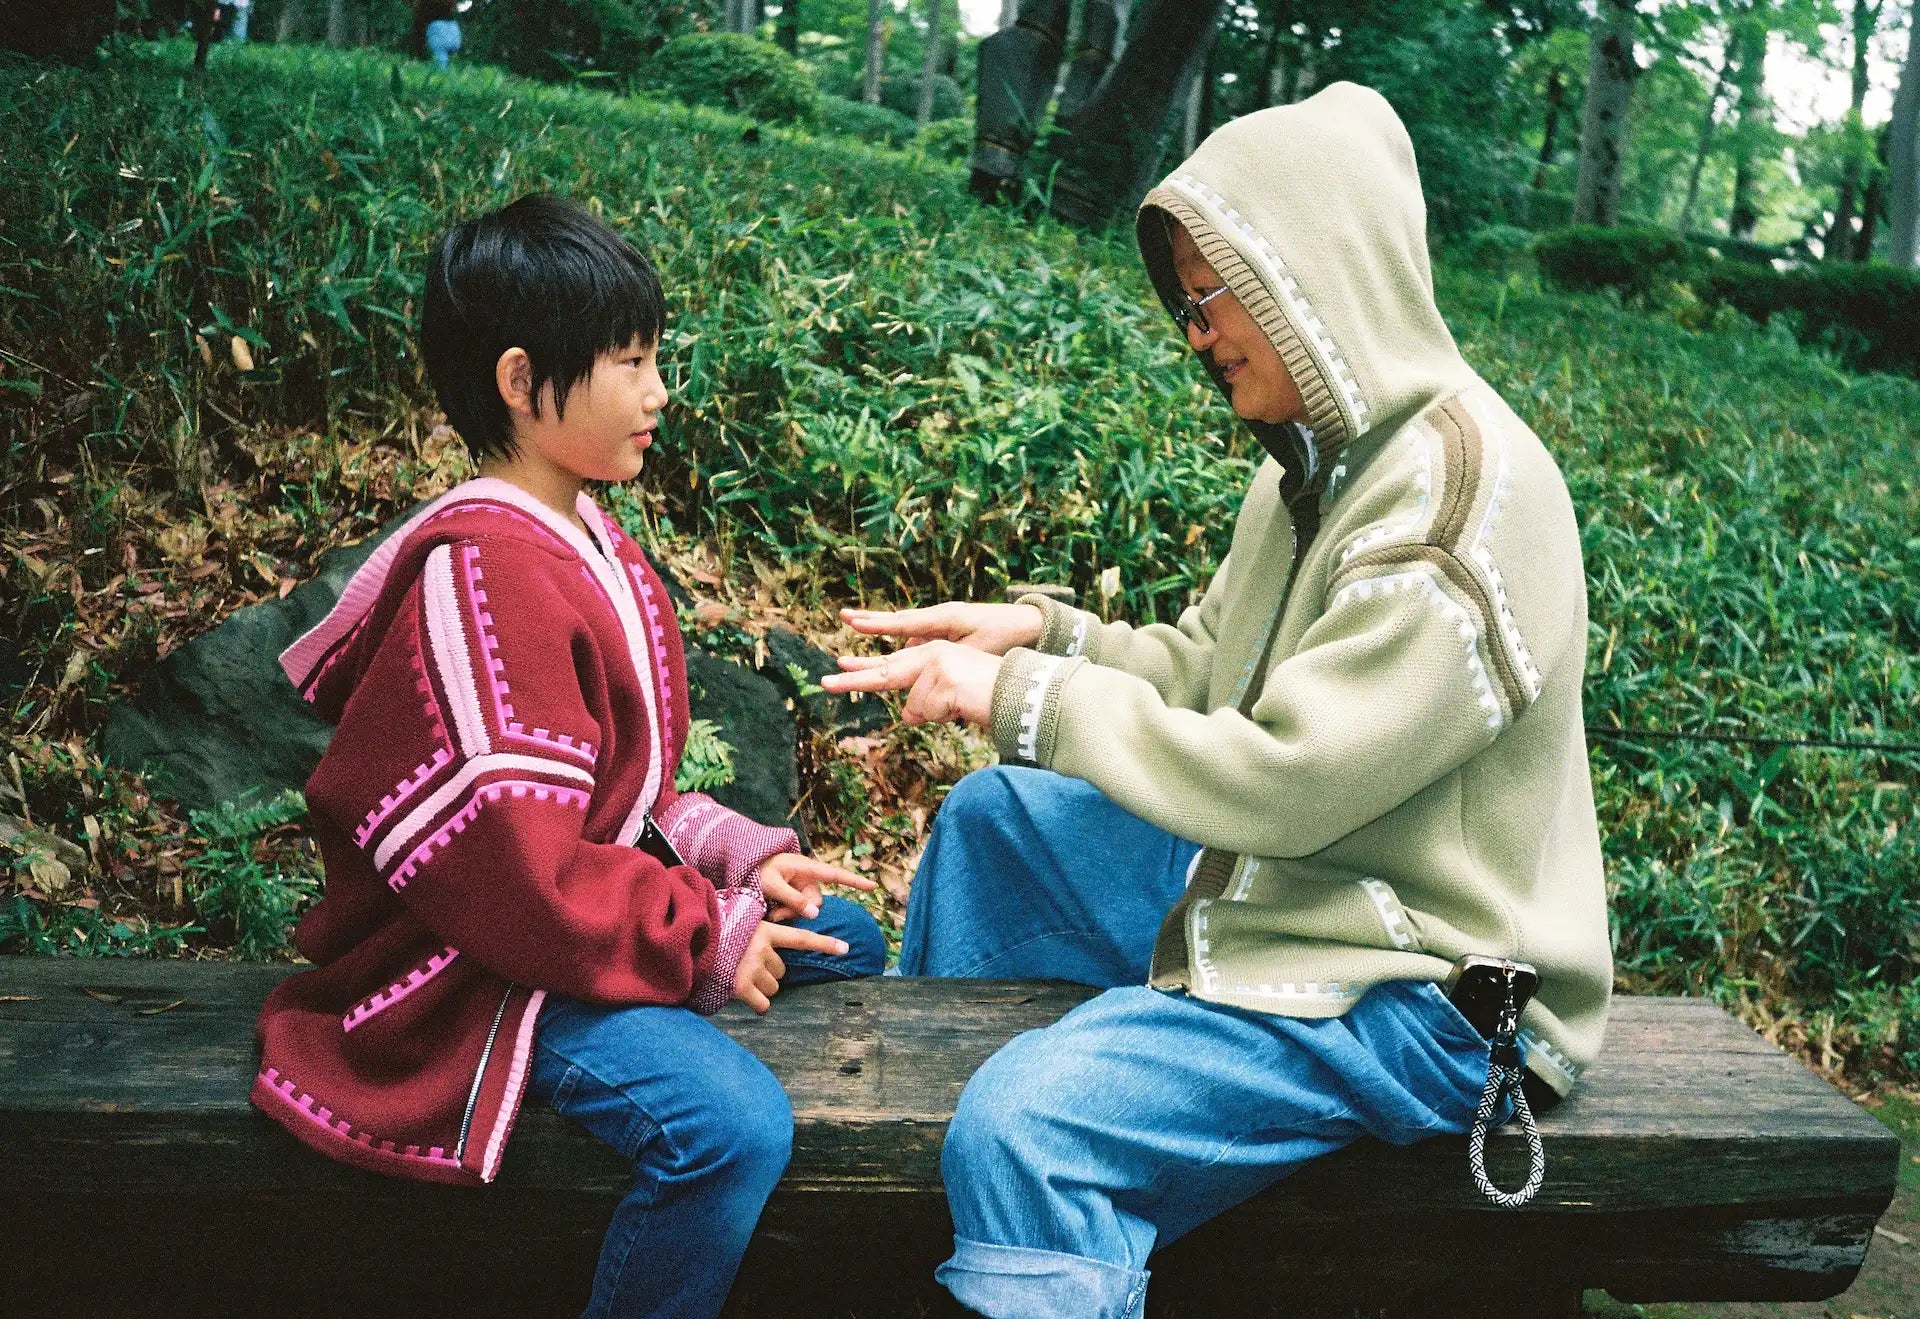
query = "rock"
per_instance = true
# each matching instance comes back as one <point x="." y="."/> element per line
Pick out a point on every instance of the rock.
<point x="839" y="715"/>
<point x="217" y="719"/>
<point x="754" y="720"/>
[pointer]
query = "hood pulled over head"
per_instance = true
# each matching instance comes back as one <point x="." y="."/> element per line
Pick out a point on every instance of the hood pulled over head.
<point x="1312" y="216"/>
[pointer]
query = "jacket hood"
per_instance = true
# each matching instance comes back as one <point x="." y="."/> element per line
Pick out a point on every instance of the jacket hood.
<point x="1312" y="215"/>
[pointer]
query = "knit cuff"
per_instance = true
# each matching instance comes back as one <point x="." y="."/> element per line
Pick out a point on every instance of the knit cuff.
<point x="1026" y="705"/>
<point x="1064" y="630"/>
<point x="722" y="844"/>
<point x="741" y="910"/>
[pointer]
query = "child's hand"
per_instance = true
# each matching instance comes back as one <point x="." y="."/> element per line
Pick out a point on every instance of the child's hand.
<point x="995" y="629"/>
<point x="791" y="883"/>
<point x="945" y="681"/>
<point x="758" y="979"/>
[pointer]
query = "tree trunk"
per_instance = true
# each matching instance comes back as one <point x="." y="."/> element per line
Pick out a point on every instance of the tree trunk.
<point x="877" y="11"/>
<point x="1550" y="131"/>
<point x="1751" y="79"/>
<point x="336" y="22"/>
<point x="1093" y="52"/>
<point x="1018" y="68"/>
<point x="786" y="28"/>
<point x="1109" y="156"/>
<point x="1197" y="120"/>
<point x="206" y="20"/>
<point x="287" y="26"/>
<point x="930" y="67"/>
<point x="1706" y="141"/>
<point x="1272" y="69"/>
<point x="1611" y="71"/>
<point x="69" y="32"/>
<point x="1903" y="163"/>
<point x="1866" y="17"/>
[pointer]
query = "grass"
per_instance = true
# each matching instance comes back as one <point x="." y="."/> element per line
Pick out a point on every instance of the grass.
<point x="886" y="392"/>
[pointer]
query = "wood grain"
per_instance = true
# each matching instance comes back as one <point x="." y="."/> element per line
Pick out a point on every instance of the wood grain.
<point x="1697" y="1161"/>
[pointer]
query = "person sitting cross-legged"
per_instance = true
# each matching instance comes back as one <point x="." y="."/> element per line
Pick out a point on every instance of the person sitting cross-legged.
<point x="1267" y="832"/>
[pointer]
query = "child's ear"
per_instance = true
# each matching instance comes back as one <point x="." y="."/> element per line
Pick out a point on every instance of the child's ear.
<point x="513" y="375"/>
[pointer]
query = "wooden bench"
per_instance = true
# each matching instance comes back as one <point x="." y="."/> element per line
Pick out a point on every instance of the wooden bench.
<point x="1698" y="1162"/>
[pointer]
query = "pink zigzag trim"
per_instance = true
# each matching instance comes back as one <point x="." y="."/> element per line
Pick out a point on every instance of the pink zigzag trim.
<point x="495" y="671"/>
<point x="408" y="786"/>
<point x="657" y="643"/>
<point x="466" y="815"/>
<point x="321" y="1116"/>
<point x="301" y="660"/>
<point x="516" y="1081"/>
<point x="402" y="790"/>
<point x="374" y="1005"/>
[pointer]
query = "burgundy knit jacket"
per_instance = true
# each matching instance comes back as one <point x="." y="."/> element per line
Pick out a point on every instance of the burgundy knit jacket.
<point x="510" y="704"/>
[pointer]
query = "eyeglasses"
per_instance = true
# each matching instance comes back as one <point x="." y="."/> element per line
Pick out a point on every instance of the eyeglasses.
<point x="1188" y="311"/>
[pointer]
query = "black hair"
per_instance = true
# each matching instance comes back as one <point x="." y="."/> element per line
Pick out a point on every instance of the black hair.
<point x="539" y="274"/>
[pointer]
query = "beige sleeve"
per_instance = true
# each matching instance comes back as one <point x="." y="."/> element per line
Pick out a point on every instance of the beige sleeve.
<point x="1176" y="660"/>
<point x="1388" y="692"/>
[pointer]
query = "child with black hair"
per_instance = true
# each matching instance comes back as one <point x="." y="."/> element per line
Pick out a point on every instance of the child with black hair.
<point x="507" y="906"/>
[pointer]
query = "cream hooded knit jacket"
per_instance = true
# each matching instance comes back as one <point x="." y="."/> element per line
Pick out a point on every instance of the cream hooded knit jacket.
<point x="1376" y="734"/>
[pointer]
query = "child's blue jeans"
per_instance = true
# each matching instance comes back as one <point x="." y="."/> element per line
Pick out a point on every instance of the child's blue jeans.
<point x="704" y="1123"/>
<point x="1079" y="1148"/>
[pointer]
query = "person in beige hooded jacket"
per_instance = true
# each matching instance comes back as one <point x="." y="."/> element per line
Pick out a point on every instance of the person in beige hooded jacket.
<point x="1269" y="830"/>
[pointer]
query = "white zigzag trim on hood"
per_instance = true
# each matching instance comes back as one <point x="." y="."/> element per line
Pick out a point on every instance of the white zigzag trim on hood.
<point x="1304" y="315"/>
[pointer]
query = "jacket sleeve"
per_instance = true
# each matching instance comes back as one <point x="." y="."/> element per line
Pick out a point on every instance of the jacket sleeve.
<point x="720" y="842"/>
<point x="1177" y="660"/>
<point x="483" y="678"/>
<point x="1396" y="684"/>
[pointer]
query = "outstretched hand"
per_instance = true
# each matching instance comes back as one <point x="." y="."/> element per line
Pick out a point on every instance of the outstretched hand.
<point x="758" y="979"/>
<point x="996" y="629"/>
<point x="945" y="681"/>
<point x="791" y="883"/>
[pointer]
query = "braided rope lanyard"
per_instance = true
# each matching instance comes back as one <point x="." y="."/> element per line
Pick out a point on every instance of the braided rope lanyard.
<point x="1504" y="1073"/>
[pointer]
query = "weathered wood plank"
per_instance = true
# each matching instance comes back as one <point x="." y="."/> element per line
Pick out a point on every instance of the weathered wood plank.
<point x="1697" y="1161"/>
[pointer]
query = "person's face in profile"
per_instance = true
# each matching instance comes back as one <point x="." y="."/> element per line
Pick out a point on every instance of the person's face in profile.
<point x="1258" y="381"/>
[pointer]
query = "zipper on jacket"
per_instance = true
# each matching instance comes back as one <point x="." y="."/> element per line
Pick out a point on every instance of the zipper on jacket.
<point x="479" y="1075"/>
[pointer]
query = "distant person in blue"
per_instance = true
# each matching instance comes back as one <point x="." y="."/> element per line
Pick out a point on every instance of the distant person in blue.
<point x="443" y="31"/>
<point x="238" y="12"/>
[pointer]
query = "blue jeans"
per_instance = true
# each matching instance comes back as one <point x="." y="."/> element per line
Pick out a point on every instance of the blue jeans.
<point x="704" y="1123"/>
<point x="1081" y="1147"/>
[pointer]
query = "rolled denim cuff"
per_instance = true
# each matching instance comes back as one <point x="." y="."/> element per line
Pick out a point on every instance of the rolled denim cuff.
<point x="1003" y="1282"/>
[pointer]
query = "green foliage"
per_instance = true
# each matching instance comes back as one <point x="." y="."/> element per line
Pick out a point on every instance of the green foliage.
<point x="946" y="139"/>
<point x="1750" y="546"/>
<point x="1864" y="312"/>
<point x="871" y="123"/>
<point x="894" y="393"/>
<point x="732" y="72"/>
<point x="1634" y="260"/>
<point x="248" y="890"/>
<point x="1868" y="313"/>
<point x="707" y="762"/>
<point x="1498" y="249"/>
<point x="72" y="931"/>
